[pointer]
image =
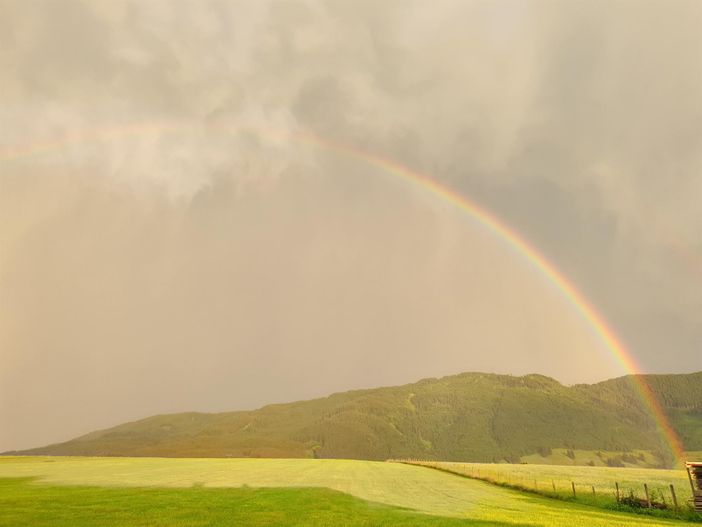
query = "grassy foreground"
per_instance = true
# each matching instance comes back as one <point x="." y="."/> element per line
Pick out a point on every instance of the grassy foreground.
<point x="185" y="492"/>
<point x="25" y="504"/>
<point x="594" y="486"/>
<point x="546" y="477"/>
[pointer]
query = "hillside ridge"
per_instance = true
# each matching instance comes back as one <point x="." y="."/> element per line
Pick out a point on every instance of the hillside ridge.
<point x="471" y="416"/>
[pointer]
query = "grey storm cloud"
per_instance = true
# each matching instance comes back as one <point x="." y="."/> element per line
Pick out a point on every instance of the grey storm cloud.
<point x="168" y="243"/>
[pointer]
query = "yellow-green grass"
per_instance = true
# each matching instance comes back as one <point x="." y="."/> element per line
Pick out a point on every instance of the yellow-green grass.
<point x="602" y="478"/>
<point x="23" y="504"/>
<point x="392" y="484"/>
<point x="594" y="486"/>
<point x="598" y="458"/>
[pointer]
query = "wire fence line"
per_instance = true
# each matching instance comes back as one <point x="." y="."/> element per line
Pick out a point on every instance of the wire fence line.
<point x="667" y="495"/>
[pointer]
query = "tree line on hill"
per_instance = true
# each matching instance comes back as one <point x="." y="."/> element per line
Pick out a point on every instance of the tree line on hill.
<point x="467" y="417"/>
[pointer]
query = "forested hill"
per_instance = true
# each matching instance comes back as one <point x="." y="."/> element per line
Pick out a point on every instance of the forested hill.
<point x="471" y="416"/>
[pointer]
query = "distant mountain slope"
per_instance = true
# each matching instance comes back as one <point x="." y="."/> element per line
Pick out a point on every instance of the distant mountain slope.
<point x="471" y="416"/>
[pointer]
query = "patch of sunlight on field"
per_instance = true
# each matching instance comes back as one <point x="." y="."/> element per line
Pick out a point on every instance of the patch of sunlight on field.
<point x="602" y="478"/>
<point x="418" y="488"/>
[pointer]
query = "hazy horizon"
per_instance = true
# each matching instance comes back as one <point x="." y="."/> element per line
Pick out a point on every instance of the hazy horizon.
<point x="168" y="243"/>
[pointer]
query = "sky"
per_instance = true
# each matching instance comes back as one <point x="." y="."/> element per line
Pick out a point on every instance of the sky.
<point x="170" y="241"/>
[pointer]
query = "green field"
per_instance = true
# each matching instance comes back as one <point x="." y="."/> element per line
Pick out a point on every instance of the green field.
<point x="602" y="478"/>
<point x="594" y="486"/>
<point x="158" y="491"/>
<point x="25" y="504"/>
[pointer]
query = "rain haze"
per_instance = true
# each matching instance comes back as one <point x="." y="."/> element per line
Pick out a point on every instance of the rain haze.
<point x="171" y="240"/>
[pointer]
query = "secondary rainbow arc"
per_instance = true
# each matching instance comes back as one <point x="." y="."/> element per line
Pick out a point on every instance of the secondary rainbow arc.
<point x="480" y="215"/>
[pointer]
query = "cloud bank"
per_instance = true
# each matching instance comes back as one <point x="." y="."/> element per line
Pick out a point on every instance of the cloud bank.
<point x="168" y="243"/>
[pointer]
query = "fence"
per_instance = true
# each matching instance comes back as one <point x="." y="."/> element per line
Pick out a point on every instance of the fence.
<point x="641" y="496"/>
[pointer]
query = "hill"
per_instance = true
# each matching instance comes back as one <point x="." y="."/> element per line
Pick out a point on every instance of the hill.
<point x="466" y="417"/>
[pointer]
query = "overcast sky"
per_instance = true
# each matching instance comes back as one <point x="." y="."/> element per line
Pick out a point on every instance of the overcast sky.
<point x="169" y="243"/>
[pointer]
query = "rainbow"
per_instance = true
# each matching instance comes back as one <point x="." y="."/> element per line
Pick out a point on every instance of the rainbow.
<point x="480" y="216"/>
<point x="493" y="224"/>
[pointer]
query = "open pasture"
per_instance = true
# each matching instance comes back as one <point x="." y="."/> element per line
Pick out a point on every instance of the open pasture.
<point x="545" y="477"/>
<point x="292" y="492"/>
<point x="590" y="485"/>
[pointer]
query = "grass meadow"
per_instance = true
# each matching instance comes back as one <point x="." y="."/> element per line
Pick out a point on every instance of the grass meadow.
<point x="24" y="503"/>
<point x="594" y="486"/>
<point x="197" y="492"/>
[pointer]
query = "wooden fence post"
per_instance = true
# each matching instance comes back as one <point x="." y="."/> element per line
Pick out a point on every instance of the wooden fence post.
<point x="675" y="498"/>
<point x="572" y="484"/>
<point x="593" y="491"/>
<point x="616" y="486"/>
<point x="554" y="485"/>
<point x="648" y="497"/>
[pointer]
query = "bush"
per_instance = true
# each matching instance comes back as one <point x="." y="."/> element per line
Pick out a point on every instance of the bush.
<point x="544" y="451"/>
<point x="615" y="461"/>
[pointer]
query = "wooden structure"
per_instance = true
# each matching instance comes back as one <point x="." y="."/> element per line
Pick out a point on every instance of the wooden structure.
<point x="694" y="473"/>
